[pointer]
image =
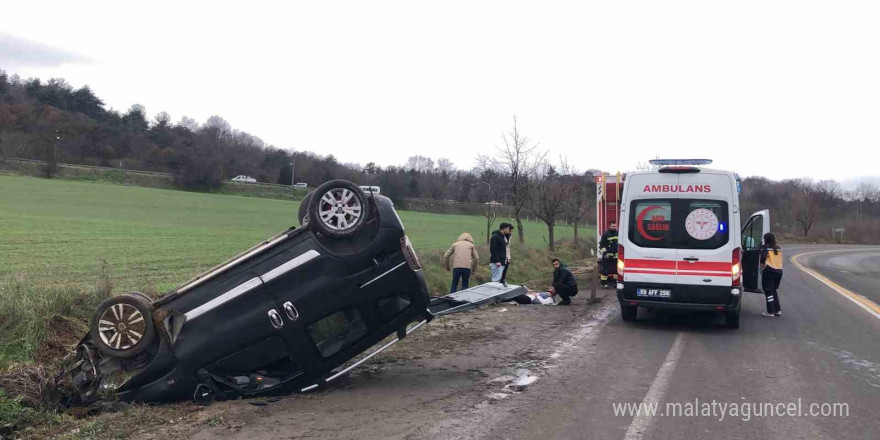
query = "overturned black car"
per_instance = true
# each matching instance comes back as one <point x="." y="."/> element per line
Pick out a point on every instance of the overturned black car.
<point x="279" y="317"/>
<point x="273" y="318"/>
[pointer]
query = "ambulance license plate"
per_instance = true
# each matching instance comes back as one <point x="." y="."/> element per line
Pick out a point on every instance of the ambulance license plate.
<point x="654" y="293"/>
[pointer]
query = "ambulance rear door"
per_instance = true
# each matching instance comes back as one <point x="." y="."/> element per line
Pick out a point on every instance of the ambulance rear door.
<point x="650" y="254"/>
<point x="752" y="239"/>
<point x="706" y="246"/>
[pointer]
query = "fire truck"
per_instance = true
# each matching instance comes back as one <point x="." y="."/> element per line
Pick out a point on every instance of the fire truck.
<point x="609" y="188"/>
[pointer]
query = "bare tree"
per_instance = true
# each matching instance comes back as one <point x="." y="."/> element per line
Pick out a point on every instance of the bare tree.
<point x="518" y="160"/>
<point x="188" y="123"/>
<point x="550" y="194"/>
<point x="805" y="203"/>
<point x="828" y="191"/>
<point x="445" y="165"/>
<point x="162" y="119"/>
<point x="865" y="192"/>
<point x="420" y="163"/>
<point x="490" y="193"/>
<point x="583" y="199"/>
<point x="221" y="128"/>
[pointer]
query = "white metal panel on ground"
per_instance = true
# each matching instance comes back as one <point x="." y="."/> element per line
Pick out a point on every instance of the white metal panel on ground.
<point x="478" y="296"/>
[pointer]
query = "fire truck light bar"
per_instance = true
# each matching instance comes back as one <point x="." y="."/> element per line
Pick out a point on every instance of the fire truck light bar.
<point x="667" y="162"/>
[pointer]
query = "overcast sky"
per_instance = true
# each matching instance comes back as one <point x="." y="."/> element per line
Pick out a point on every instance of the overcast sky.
<point x="775" y="88"/>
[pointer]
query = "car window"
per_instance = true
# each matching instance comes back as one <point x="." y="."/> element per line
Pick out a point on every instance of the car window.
<point x="337" y="331"/>
<point x="651" y="222"/>
<point x="753" y="234"/>
<point x="392" y="306"/>
<point x="679" y="223"/>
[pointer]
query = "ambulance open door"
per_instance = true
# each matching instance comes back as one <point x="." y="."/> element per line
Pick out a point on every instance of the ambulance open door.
<point x="752" y="239"/>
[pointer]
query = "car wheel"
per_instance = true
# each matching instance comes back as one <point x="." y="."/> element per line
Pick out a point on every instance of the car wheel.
<point x="122" y="326"/>
<point x="338" y="209"/>
<point x="303" y="214"/>
<point x="731" y="319"/>
<point x="628" y="313"/>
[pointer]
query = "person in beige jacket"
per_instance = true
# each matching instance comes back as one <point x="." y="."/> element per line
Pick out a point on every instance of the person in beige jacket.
<point x="464" y="258"/>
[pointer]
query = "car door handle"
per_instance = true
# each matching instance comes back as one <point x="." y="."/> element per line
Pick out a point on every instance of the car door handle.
<point x="291" y="311"/>
<point x="275" y="319"/>
<point x="691" y="259"/>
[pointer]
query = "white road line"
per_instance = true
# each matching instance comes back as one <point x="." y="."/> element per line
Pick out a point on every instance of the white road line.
<point x="642" y="421"/>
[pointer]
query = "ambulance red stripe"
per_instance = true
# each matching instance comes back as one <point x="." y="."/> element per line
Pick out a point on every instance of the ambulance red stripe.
<point x="649" y="264"/>
<point x="705" y="265"/>
<point x="706" y="274"/>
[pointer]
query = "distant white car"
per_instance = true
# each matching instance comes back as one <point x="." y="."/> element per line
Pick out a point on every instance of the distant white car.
<point x="243" y="178"/>
<point x="300" y="185"/>
<point x="370" y="190"/>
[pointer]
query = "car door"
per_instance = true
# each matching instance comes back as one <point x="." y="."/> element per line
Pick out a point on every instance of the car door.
<point x="235" y="332"/>
<point x="302" y="280"/>
<point x="752" y="239"/>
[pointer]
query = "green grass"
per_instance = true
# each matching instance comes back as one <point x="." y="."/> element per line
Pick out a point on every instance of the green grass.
<point x="65" y="245"/>
<point x="60" y="232"/>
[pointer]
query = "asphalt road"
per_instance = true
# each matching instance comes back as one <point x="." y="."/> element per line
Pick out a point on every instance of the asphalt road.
<point x="823" y="350"/>
<point x="857" y="270"/>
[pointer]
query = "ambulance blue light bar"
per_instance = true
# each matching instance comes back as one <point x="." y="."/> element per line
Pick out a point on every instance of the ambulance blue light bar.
<point x="673" y="162"/>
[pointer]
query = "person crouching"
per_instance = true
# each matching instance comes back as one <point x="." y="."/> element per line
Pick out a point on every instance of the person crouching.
<point x="564" y="283"/>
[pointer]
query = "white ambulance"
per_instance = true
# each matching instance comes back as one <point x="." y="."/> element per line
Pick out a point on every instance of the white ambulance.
<point x="682" y="242"/>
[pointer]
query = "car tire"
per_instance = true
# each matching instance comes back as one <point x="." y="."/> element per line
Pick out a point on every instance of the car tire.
<point x="303" y="213"/>
<point x="349" y="214"/>
<point x="628" y="313"/>
<point x="731" y="319"/>
<point x="122" y="326"/>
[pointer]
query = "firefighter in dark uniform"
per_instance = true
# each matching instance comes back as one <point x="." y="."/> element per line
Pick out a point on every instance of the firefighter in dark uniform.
<point x="608" y="247"/>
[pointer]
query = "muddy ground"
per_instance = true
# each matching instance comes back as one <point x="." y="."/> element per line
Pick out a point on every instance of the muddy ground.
<point x="444" y="380"/>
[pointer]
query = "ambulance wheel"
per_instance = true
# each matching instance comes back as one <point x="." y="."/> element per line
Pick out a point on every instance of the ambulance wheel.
<point x="303" y="214"/>
<point x="122" y="326"/>
<point x="628" y="313"/>
<point x="338" y="209"/>
<point x="731" y="319"/>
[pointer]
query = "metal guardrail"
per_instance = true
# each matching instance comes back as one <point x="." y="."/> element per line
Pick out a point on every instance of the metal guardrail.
<point x="153" y="173"/>
<point x="92" y="167"/>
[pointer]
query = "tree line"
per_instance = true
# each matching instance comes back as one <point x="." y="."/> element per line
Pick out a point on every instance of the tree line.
<point x="57" y="123"/>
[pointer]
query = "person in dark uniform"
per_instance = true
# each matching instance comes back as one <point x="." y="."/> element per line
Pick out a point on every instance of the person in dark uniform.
<point x="608" y="247"/>
<point x="771" y="274"/>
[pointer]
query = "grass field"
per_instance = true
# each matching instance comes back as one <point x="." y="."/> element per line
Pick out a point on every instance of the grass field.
<point x="57" y="232"/>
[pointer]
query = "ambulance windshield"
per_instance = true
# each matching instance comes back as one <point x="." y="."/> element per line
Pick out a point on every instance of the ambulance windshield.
<point x="679" y="223"/>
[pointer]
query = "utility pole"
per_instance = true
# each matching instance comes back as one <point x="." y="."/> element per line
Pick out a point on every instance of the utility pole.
<point x="55" y="147"/>
<point x="291" y="174"/>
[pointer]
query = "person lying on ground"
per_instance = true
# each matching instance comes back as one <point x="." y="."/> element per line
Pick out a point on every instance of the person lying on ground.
<point x="542" y="298"/>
